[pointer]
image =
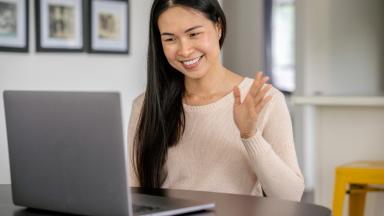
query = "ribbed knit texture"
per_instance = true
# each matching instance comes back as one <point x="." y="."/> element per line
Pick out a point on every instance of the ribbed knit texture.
<point x="211" y="156"/>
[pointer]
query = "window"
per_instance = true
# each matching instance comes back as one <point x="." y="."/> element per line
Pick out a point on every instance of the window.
<point x="283" y="45"/>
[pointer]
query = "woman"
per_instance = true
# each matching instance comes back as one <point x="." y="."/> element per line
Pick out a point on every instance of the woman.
<point x="200" y="126"/>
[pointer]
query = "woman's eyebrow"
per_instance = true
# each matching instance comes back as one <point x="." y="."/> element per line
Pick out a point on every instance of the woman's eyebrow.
<point x="192" y="28"/>
<point x="186" y="31"/>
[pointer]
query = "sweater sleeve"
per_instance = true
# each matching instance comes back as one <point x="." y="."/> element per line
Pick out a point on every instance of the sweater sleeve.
<point x="272" y="152"/>
<point x="133" y="121"/>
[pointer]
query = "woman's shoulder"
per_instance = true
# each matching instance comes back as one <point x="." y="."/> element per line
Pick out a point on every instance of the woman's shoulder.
<point x="138" y="102"/>
<point x="139" y="99"/>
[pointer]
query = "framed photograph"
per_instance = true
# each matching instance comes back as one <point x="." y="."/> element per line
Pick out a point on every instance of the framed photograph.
<point x="59" y="25"/>
<point x="14" y="25"/>
<point x="108" y="24"/>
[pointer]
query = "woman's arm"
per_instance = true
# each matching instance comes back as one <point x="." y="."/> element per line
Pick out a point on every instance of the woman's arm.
<point x="272" y="152"/>
<point x="133" y="121"/>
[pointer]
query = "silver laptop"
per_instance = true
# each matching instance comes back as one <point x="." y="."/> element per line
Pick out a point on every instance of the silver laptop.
<point x="66" y="152"/>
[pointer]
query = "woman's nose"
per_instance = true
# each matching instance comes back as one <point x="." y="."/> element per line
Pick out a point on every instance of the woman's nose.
<point x="185" y="48"/>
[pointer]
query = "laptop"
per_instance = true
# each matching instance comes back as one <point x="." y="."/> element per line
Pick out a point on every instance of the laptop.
<point x="67" y="154"/>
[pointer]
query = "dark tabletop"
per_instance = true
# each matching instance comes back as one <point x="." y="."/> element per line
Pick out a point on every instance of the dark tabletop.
<point x="226" y="204"/>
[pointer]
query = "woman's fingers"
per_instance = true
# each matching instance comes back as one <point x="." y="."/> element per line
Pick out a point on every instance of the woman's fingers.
<point x="257" y="85"/>
<point x="260" y="106"/>
<point x="256" y="98"/>
<point x="261" y="94"/>
<point x="246" y="112"/>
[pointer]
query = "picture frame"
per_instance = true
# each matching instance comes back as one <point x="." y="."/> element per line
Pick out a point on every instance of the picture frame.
<point x="14" y="27"/>
<point x="60" y="25"/>
<point x="108" y="26"/>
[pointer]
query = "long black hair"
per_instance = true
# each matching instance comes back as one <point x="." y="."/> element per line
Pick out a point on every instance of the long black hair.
<point x="162" y="118"/>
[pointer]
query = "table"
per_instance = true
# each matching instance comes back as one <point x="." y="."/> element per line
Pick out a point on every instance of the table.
<point x="226" y="204"/>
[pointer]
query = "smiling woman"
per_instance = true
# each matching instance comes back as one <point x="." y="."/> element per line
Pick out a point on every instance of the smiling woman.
<point x="190" y="41"/>
<point x="200" y="126"/>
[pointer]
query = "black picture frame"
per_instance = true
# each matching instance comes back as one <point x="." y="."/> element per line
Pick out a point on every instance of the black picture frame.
<point x="14" y="31"/>
<point x="60" y="25"/>
<point x="108" y="22"/>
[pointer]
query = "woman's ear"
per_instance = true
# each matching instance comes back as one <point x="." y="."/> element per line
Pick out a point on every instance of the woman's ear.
<point x="218" y="28"/>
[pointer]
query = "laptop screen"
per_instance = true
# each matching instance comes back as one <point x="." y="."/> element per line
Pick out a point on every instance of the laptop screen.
<point x="66" y="151"/>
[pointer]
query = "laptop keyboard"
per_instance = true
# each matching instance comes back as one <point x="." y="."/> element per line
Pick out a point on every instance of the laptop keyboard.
<point x="140" y="209"/>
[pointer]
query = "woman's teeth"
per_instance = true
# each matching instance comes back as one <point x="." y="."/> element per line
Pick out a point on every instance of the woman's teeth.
<point x="191" y="62"/>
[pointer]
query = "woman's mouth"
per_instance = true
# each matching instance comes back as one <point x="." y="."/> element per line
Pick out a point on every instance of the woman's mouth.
<point x="192" y="63"/>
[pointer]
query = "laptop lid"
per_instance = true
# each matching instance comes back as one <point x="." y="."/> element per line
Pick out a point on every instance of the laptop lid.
<point x="66" y="151"/>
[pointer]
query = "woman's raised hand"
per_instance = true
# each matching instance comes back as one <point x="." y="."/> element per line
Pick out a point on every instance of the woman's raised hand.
<point x="246" y="113"/>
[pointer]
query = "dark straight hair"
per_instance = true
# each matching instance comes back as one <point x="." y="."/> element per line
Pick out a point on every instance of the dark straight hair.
<point x="162" y="119"/>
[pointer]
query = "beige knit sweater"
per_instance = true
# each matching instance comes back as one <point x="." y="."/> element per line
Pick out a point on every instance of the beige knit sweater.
<point x="211" y="156"/>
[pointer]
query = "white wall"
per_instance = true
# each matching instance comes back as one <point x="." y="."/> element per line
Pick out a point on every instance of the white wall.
<point x="77" y="71"/>
<point x="340" y="47"/>
<point x="312" y="39"/>
<point x="356" y="47"/>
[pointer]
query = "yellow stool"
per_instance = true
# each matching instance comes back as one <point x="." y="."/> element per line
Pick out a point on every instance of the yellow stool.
<point x="354" y="178"/>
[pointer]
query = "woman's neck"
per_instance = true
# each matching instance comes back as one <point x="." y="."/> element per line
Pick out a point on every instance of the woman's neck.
<point x="211" y="87"/>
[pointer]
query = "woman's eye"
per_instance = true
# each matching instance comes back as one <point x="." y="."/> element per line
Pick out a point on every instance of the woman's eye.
<point x="169" y="39"/>
<point x="194" y="34"/>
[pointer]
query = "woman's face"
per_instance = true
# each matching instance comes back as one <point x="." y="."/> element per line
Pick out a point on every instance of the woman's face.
<point x="190" y="41"/>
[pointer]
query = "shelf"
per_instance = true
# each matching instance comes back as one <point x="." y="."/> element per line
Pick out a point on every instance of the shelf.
<point x="339" y="100"/>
